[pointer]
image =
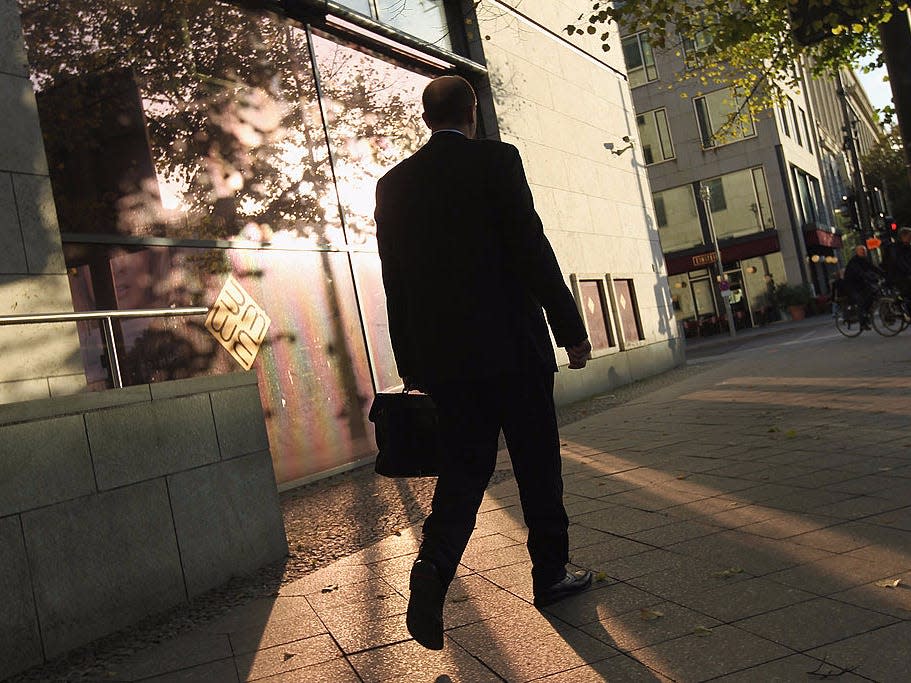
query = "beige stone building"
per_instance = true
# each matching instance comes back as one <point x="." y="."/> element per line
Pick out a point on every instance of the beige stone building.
<point x="152" y="149"/>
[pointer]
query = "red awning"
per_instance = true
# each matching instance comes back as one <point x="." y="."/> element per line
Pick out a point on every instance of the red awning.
<point x="766" y="244"/>
<point x="823" y="238"/>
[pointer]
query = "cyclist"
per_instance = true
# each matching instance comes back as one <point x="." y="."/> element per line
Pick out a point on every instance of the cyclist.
<point x="862" y="283"/>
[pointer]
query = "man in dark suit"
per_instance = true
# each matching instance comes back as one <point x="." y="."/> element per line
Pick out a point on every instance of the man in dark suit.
<point x="467" y="270"/>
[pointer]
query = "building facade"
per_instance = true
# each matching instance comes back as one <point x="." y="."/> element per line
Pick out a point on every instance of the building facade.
<point x="158" y="148"/>
<point x="769" y="177"/>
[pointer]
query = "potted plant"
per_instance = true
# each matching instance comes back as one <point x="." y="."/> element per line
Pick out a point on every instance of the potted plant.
<point x="794" y="298"/>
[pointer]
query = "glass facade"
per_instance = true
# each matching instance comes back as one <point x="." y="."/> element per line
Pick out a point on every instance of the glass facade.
<point x="214" y="141"/>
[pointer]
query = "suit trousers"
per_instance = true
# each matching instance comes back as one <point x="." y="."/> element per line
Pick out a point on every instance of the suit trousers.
<point x="472" y="413"/>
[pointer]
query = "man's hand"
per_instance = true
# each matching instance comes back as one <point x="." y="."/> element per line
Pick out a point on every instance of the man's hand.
<point x="579" y="354"/>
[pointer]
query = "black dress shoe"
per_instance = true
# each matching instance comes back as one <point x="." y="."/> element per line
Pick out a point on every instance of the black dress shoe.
<point x="425" y="605"/>
<point x="572" y="583"/>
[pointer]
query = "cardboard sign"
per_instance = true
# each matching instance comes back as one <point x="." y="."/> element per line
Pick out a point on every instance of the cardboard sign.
<point x="238" y="323"/>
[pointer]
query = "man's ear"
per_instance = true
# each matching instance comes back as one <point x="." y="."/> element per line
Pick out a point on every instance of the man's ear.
<point x="427" y="121"/>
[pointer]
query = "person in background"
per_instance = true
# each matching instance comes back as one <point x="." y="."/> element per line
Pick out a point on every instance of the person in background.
<point x="862" y="283"/>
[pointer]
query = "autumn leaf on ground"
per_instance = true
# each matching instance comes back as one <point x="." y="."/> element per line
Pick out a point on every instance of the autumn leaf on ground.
<point x="682" y="476"/>
<point x="790" y="433"/>
<point x="889" y="583"/>
<point x="288" y="655"/>
<point x="650" y="614"/>
<point x="330" y="588"/>
<point x="728" y="573"/>
<point x="702" y="631"/>
<point x="600" y="576"/>
<point x="773" y="429"/>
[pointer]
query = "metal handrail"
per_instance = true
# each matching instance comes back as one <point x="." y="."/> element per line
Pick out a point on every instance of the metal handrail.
<point x="107" y="325"/>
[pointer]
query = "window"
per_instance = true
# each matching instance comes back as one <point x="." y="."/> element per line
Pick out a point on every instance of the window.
<point x="782" y="113"/>
<point x="740" y="203"/>
<point x="654" y="136"/>
<point x="425" y="19"/>
<point x="660" y="213"/>
<point x="793" y="112"/>
<point x="591" y="296"/>
<point x="716" y="195"/>
<point x="678" y="221"/>
<point x="693" y="48"/>
<point x="806" y="129"/>
<point x="628" y="311"/>
<point x="640" y="62"/>
<point x="722" y="119"/>
<point x="808" y="196"/>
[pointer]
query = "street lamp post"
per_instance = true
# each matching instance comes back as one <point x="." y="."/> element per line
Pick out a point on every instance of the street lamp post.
<point x="724" y="287"/>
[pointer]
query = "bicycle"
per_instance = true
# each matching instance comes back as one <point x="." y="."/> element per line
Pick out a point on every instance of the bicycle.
<point x="891" y="313"/>
<point x="847" y="319"/>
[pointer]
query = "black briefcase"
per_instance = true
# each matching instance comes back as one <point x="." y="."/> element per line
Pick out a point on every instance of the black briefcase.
<point x="407" y="434"/>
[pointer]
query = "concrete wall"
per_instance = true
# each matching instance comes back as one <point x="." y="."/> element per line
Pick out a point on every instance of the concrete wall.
<point x="559" y="102"/>
<point x="116" y="505"/>
<point x="32" y="273"/>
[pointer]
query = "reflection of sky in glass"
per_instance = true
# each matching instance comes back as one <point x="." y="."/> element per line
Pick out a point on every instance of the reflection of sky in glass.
<point x="373" y="111"/>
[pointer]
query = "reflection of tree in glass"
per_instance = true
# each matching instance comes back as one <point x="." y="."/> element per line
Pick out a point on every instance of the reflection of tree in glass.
<point x="371" y="132"/>
<point x="159" y="355"/>
<point x="234" y="145"/>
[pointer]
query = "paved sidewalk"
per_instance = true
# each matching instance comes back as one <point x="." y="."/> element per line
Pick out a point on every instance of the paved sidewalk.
<point x="751" y="523"/>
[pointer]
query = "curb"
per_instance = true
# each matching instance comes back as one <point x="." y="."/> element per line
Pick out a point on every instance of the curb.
<point x="776" y="329"/>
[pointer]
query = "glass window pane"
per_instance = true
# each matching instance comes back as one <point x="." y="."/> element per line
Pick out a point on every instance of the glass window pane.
<point x="631" y="52"/>
<point x="765" y="218"/>
<point x="717" y="201"/>
<point x="425" y="19"/>
<point x="792" y="112"/>
<point x="721" y="119"/>
<point x="373" y="114"/>
<point x="654" y="136"/>
<point x="648" y="138"/>
<point x="313" y="373"/>
<point x="362" y="6"/>
<point x="681" y="228"/>
<point x="741" y="213"/>
<point x="664" y="133"/>
<point x="592" y="294"/>
<point x="705" y="125"/>
<point x="206" y="128"/>
<point x="372" y="296"/>
<point x="660" y="211"/>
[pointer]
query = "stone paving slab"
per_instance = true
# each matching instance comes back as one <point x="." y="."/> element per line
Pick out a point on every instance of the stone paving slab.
<point x="740" y="530"/>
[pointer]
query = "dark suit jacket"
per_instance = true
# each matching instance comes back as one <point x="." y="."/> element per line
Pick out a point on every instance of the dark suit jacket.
<point x="466" y="265"/>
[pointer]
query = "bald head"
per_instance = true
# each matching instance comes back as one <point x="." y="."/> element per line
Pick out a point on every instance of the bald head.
<point x="860" y="251"/>
<point x="450" y="102"/>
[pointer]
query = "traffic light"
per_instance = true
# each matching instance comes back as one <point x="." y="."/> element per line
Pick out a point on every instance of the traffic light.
<point x="848" y="211"/>
<point x="891" y="225"/>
